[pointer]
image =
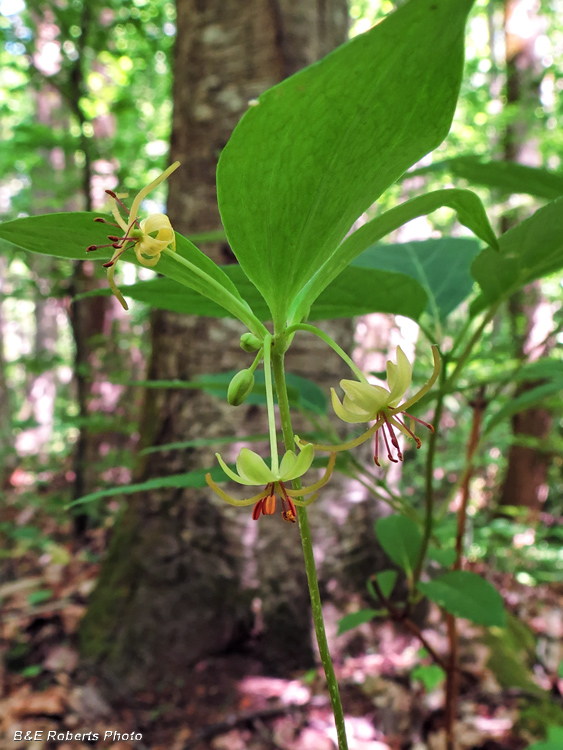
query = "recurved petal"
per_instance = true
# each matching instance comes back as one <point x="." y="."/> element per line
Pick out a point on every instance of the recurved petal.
<point x="301" y="464"/>
<point x="159" y="224"/>
<point x="156" y="223"/>
<point x="253" y="469"/>
<point x="287" y="465"/>
<point x="399" y="377"/>
<point x="113" y="287"/>
<point x="152" y="245"/>
<point x="354" y="409"/>
<point x="229" y="472"/>
<point x="346" y="415"/>
<point x="364" y="396"/>
<point x="142" y="194"/>
<point x="146" y="259"/>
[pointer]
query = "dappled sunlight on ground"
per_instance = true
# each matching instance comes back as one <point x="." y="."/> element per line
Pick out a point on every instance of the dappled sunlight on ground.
<point x="230" y="702"/>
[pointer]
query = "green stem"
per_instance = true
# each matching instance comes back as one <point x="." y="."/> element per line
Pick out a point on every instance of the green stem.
<point x="333" y="345"/>
<point x="310" y="568"/>
<point x="464" y="356"/>
<point x="446" y="386"/>
<point x="224" y="297"/>
<point x="270" y="402"/>
<point x="429" y="476"/>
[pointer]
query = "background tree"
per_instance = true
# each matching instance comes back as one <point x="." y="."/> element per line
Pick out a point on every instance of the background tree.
<point x="175" y="566"/>
<point x="71" y="98"/>
<point x="530" y="313"/>
<point x="122" y="61"/>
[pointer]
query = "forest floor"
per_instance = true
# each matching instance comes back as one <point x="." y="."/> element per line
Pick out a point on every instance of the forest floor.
<point x="510" y="688"/>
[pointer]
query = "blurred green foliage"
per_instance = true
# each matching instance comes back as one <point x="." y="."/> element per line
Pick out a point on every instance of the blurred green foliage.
<point x="85" y="93"/>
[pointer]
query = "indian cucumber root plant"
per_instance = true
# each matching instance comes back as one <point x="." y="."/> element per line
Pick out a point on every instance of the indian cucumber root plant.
<point x="308" y="158"/>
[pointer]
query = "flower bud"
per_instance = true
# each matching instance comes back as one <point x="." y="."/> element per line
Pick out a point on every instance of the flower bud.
<point x="240" y="387"/>
<point x="249" y="342"/>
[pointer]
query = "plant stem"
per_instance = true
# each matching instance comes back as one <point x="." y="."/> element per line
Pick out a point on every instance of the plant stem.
<point x="270" y="402"/>
<point x="429" y="476"/>
<point x="310" y="567"/>
<point x="452" y="683"/>
<point x="464" y="356"/>
<point x="221" y="295"/>
<point x="333" y="345"/>
<point x="399" y="616"/>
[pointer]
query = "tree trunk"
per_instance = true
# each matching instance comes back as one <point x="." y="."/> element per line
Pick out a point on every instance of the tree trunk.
<point x="96" y="322"/>
<point x="181" y="574"/>
<point x="525" y="482"/>
<point x="531" y="317"/>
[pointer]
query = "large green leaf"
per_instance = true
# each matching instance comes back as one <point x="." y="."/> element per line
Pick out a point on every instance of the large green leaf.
<point x="467" y="205"/>
<point x="356" y="618"/>
<point x="177" y="481"/>
<point x="301" y="393"/>
<point x="67" y="235"/>
<point x="386" y="581"/>
<point x="315" y="151"/>
<point x="501" y="175"/>
<point x="441" y="266"/>
<point x="554" y="740"/>
<point x="357" y="291"/>
<point x="401" y="539"/>
<point x="202" y="442"/>
<point x="528" y="251"/>
<point x="465" y="594"/>
<point x="167" y="294"/>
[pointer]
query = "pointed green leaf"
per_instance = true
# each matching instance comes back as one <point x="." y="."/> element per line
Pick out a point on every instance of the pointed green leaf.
<point x="466" y="594"/>
<point x="548" y="368"/>
<point x="302" y="393"/>
<point x="431" y="675"/>
<point x="356" y="618"/>
<point x="357" y="291"/>
<point x="554" y="740"/>
<point x="386" y="581"/>
<point x="500" y="175"/>
<point x="441" y="266"/>
<point x="318" y="149"/>
<point x="360" y="291"/>
<point x="528" y="251"/>
<point x="401" y="539"/>
<point x="203" y="442"/>
<point x="178" y="481"/>
<point x="444" y="557"/>
<point x="67" y="235"/>
<point x="467" y="205"/>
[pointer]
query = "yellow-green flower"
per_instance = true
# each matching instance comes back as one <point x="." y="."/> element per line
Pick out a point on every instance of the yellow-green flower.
<point x="149" y="236"/>
<point x="254" y="471"/>
<point x="364" y="402"/>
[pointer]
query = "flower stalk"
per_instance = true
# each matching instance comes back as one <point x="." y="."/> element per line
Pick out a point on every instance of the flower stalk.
<point x="310" y="566"/>
<point x="364" y="402"/>
<point x="148" y="237"/>
<point x="152" y="237"/>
